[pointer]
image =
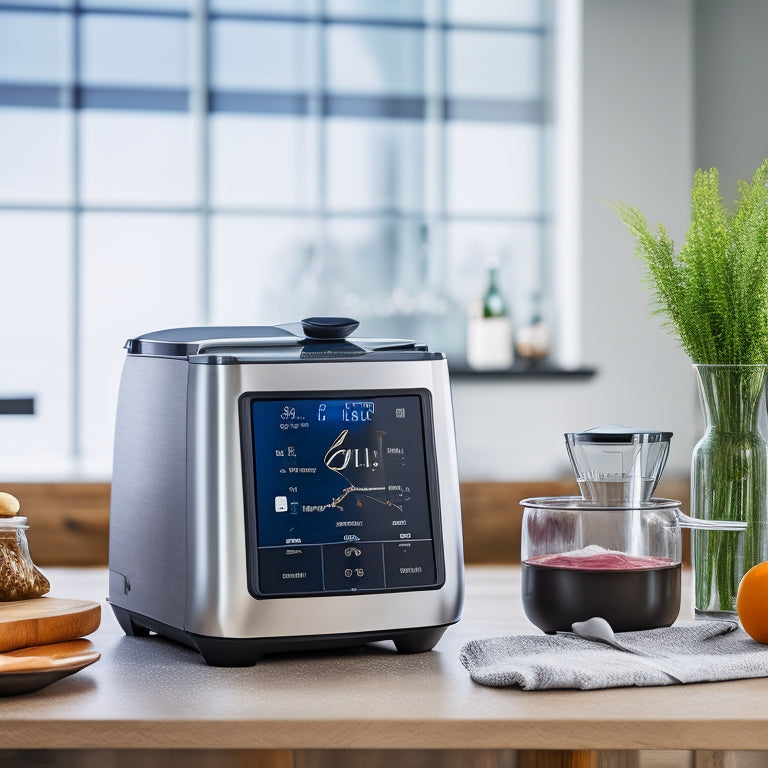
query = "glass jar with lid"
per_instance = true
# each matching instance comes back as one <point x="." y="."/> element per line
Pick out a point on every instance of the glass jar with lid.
<point x="19" y="577"/>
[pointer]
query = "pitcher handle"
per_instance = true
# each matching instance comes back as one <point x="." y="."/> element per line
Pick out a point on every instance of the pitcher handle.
<point x="710" y="525"/>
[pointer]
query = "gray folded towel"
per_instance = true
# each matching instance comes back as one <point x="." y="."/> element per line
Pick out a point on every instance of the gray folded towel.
<point x="685" y="653"/>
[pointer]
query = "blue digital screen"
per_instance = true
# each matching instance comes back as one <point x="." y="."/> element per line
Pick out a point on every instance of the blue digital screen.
<point x="342" y="497"/>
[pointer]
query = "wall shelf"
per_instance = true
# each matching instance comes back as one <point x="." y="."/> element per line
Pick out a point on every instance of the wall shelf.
<point x="524" y="371"/>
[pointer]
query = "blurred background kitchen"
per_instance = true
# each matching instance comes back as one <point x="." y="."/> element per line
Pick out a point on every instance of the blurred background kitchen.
<point x="190" y="162"/>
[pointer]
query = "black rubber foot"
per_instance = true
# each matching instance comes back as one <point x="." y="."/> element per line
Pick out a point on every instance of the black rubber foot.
<point x="127" y="624"/>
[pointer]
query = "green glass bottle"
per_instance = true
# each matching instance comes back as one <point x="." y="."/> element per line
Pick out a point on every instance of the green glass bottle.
<point x="493" y="301"/>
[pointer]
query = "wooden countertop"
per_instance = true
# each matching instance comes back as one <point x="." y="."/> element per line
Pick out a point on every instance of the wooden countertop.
<point x="149" y="693"/>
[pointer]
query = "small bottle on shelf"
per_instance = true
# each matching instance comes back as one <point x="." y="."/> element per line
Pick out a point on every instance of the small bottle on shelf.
<point x="532" y="339"/>
<point x="489" y="332"/>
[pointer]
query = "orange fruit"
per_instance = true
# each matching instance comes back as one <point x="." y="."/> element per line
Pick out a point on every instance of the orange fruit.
<point x="752" y="602"/>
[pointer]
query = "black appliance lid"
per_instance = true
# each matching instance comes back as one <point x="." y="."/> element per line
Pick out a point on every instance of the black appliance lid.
<point x="313" y="338"/>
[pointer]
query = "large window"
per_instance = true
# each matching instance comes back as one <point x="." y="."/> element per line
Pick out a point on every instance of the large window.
<point x="183" y="162"/>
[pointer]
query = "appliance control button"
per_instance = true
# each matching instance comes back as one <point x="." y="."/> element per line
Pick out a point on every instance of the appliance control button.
<point x="290" y="570"/>
<point x="409" y="563"/>
<point x="358" y="569"/>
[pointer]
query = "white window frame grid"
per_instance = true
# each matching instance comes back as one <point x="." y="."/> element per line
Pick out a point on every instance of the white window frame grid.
<point x="560" y="260"/>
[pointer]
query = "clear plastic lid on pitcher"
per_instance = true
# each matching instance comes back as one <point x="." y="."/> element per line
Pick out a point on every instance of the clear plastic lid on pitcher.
<point x="616" y="464"/>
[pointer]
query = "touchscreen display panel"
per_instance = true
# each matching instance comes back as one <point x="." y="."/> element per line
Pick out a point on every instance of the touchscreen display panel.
<point x="341" y="495"/>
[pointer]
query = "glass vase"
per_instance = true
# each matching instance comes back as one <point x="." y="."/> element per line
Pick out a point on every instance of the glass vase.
<point x="729" y="481"/>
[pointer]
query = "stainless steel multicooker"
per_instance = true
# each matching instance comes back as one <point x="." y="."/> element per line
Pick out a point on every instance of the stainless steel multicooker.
<point x="284" y="488"/>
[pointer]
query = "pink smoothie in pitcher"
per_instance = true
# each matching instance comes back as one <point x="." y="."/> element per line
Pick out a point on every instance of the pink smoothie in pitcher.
<point x="629" y="591"/>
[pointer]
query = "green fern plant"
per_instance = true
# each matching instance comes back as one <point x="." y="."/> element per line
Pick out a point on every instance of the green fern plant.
<point x="714" y="292"/>
<point x="714" y="297"/>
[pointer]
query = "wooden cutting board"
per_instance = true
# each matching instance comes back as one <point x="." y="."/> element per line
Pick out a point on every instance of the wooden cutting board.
<point x="45" y="620"/>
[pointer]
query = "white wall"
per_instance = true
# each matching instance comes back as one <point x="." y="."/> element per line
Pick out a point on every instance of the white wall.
<point x="731" y="58"/>
<point x="638" y="149"/>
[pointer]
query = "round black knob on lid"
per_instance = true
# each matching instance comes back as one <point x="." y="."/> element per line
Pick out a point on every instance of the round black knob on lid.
<point x="328" y="327"/>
